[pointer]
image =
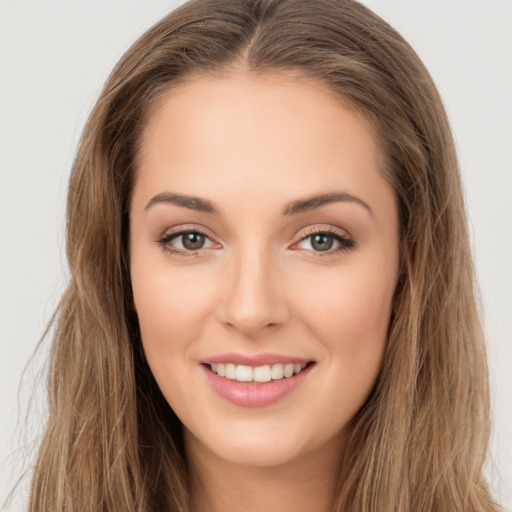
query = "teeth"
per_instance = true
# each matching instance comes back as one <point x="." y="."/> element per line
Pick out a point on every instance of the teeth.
<point x="266" y="373"/>
<point x="230" y="371"/>
<point x="244" y="373"/>
<point x="262" y="374"/>
<point x="277" y="371"/>
<point x="288" y="370"/>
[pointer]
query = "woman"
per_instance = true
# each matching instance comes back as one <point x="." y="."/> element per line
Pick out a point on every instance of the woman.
<point x="271" y="299"/>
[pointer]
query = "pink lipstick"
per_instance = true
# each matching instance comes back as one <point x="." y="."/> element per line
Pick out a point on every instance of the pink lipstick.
<point x="256" y="380"/>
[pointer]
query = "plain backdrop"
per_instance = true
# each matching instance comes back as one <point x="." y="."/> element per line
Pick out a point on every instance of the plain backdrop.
<point x="54" y="57"/>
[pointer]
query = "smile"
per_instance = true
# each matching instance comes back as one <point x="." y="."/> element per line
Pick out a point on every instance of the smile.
<point x="255" y="381"/>
<point x="265" y="373"/>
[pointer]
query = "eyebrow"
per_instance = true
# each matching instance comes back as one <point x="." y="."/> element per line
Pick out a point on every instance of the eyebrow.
<point x="294" y="208"/>
<point x="193" y="203"/>
<point x="316" y="201"/>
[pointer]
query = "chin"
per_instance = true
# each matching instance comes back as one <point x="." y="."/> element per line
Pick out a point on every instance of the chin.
<point x="263" y="445"/>
<point x="258" y="453"/>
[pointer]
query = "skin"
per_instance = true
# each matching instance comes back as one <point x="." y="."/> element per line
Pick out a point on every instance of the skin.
<point x="251" y="144"/>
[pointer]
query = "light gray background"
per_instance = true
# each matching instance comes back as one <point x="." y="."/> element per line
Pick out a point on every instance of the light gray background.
<point x="54" y="57"/>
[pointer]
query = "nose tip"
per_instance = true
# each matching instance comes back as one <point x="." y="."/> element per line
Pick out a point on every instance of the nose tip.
<point x="249" y="324"/>
<point x="252" y="317"/>
<point x="254" y="301"/>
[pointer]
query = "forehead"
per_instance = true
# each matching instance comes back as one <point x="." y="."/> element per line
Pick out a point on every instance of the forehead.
<point x="245" y="99"/>
<point x="256" y="133"/>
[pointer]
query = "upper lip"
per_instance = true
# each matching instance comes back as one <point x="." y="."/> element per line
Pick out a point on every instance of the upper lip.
<point x="255" y="360"/>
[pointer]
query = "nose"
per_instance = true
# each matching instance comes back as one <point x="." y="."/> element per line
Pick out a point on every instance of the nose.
<point x="253" y="296"/>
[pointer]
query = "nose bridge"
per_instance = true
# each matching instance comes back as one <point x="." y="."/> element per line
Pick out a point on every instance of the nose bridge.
<point x="254" y="298"/>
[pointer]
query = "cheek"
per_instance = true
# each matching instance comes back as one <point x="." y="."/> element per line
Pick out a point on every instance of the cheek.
<point x="349" y="313"/>
<point x="350" y="316"/>
<point x="173" y="306"/>
<point x="353" y="305"/>
<point x="169" y="307"/>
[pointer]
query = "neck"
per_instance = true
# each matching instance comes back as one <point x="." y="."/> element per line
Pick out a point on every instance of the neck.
<point x="304" y="484"/>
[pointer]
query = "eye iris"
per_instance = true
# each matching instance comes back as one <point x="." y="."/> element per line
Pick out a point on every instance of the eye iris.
<point x="322" y="242"/>
<point x="193" y="241"/>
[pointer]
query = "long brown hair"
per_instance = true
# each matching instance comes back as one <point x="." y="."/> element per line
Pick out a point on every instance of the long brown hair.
<point x="419" y="442"/>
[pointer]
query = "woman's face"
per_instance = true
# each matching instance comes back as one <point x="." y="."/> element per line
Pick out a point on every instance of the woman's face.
<point x="263" y="242"/>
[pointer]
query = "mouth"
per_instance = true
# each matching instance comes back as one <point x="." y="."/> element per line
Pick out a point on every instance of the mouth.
<point x="255" y="381"/>
<point x="257" y="374"/>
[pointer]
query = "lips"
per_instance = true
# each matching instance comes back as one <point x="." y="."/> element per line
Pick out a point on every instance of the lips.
<point x="255" y="381"/>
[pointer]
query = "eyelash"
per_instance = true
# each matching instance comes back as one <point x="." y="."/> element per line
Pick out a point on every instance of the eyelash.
<point x="345" y="242"/>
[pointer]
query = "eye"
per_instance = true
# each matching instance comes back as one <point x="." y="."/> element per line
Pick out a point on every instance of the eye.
<point x="325" y="241"/>
<point x="185" y="243"/>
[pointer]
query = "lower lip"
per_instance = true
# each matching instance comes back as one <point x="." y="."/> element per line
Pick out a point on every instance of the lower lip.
<point x="255" y="394"/>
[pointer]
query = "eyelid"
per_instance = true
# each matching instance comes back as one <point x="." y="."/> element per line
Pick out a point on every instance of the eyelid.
<point x="331" y="230"/>
<point x="187" y="228"/>
<point x="325" y="228"/>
